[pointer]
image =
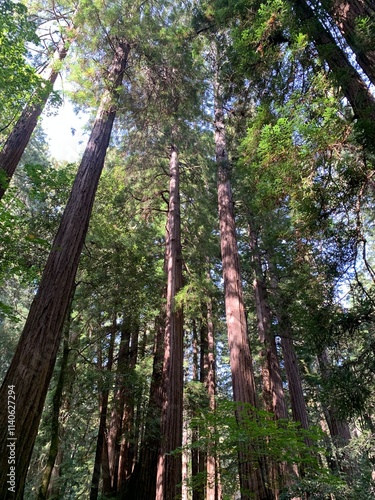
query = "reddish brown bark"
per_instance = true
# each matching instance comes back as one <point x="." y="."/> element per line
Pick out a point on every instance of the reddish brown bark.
<point x="293" y="374"/>
<point x="196" y="454"/>
<point x="251" y="480"/>
<point x="120" y="437"/>
<point x="65" y="407"/>
<point x="169" y="470"/>
<point x="212" y="468"/>
<point x="105" y="471"/>
<point x="128" y="434"/>
<point x="273" y="392"/>
<point x="19" y="137"/>
<point x="32" y="365"/>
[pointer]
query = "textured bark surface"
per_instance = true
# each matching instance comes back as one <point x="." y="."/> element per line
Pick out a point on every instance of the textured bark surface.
<point x="357" y="93"/>
<point x="273" y="392"/>
<point x="347" y="15"/>
<point x="169" y="470"/>
<point x="33" y="362"/>
<point x="120" y="435"/>
<point x="293" y="374"/>
<point x="127" y="449"/>
<point x="213" y="478"/>
<point x="18" y="139"/>
<point x="251" y="481"/>
<point x="197" y="456"/>
<point x="54" y="487"/>
<point x="55" y="424"/>
<point x="297" y="400"/>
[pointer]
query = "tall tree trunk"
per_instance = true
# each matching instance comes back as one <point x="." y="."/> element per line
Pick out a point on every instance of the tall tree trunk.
<point x="128" y="440"/>
<point x="169" y="468"/>
<point x="293" y="374"/>
<point x="251" y="480"/>
<point x="338" y="428"/>
<point x="65" y="407"/>
<point x="105" y="469"/>
<point x="195" y="452"/>
<point x="213" y="480"/>
<point x="142" y="482"/>
<point x="291" y="365"/>
<point x="273" y="391"/>
<point x="19" y="137"/>
<point x="32" y="365"/>
<point x="347" y="14"/>
<point x="54" y="488"/>
<point x="56" y="405"/>
<point x="120" y="438"/>
<point x="355" y="90"/>
<point x="103" y="398"/>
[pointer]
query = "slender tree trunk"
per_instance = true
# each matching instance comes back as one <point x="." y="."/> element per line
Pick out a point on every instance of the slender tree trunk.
<point x="19" y="137"/>
<point x="251" y="480"/>
<point x="128" y="440"/>
<point x="293" y="374"/>
<point x="105" y="468"/>
<point x="347" y="14"/>
<point x="195" y="455"/>
<point x="338" y="428"/>
<point x="54" y="490"/>
<point x="120" y="438"/>
<point x="273" y="391"/>
<point x="169" y="468"/>
<point x="355" y="90"/>
<point x="69" y="379"/>
<point x="213" y="480"/>
<point x="142" y="482"/>
<point x="291" y="365"/>
<point x="32" y="365"/>
<point x="103" y="397"/>
<point x="56" y="405"/>
<point x="203" y="368"/>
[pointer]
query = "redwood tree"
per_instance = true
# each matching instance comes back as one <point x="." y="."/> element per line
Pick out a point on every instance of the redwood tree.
<point x="33" y="362"/>
<point x="19" y="137"/>
<point x="251" y="480"/>
<point x="169" y="468"/>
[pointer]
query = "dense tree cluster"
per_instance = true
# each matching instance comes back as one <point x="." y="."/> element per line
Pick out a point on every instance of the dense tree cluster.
<point x="188" y="312"/>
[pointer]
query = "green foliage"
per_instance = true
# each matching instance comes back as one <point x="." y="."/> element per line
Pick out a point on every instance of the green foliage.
<point x="296" y="170"/>
<point x="355" y="479"/>
<point x="365" y="31"/>
<point x="18" y="80"/>
<point x="232" y="425"/>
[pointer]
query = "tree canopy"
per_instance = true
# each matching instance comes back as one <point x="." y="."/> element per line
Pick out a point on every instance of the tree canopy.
<point x="188" y="311"/>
